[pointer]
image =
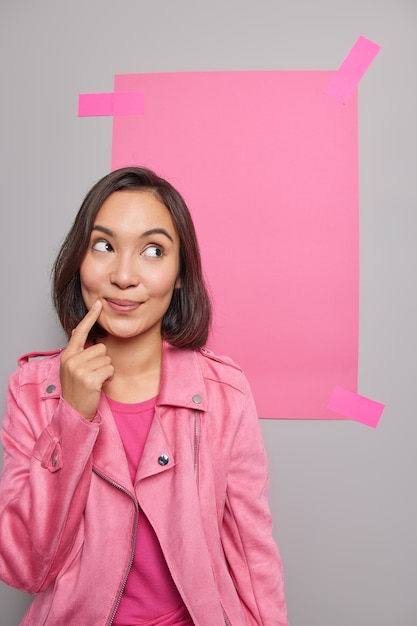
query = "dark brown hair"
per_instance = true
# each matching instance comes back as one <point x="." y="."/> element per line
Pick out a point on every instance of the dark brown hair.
<point x="187" y="320"/>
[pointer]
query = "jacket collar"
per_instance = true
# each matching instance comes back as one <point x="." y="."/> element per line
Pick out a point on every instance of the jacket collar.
<point x="182" y="381"/>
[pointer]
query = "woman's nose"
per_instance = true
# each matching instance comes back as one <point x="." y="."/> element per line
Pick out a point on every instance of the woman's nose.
<point x="125" y="272"/>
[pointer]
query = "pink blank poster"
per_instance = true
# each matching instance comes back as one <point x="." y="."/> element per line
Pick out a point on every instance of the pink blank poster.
<point x="268" y="165"/>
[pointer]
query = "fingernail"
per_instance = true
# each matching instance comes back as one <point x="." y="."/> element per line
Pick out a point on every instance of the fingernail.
<point x="96" y="305"/>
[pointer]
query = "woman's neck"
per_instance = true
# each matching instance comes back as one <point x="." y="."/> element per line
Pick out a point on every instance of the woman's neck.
<point x="137" y="369"/>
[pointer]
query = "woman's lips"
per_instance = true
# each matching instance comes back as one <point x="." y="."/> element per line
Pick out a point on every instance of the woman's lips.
<point x="122" y="306"/>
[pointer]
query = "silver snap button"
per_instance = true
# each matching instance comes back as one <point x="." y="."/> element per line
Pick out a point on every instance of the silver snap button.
<point x="163" y="459"/>
<point x="197" y="399"/>
<point x="50" y="389"/>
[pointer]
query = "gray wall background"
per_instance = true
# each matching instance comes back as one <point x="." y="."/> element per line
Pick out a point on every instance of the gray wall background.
<point x="342" y="494"/>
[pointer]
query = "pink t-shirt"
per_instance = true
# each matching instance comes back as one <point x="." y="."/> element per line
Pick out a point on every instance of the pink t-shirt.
<point x="150" y="597"/>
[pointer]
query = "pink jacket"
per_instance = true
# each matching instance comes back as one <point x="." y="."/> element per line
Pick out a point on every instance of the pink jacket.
<point x="68" y="511"/>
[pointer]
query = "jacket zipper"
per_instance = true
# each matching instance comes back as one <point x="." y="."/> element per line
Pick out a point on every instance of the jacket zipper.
<point x="196" y="458"/>
<point x="196" y="442"/>
<point x="132" y="554"/>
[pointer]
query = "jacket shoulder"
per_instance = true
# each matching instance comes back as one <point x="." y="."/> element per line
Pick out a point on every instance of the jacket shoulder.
<point x="34" y="367"/>
<point x="222" y="369"/>
<point x="36" y="356"/>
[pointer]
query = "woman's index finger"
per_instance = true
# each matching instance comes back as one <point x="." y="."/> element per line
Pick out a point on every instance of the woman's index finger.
<point x="80" y="332"/>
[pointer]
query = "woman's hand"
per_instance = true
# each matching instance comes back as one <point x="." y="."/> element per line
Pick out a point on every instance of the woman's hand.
<point x="85" y="370"/>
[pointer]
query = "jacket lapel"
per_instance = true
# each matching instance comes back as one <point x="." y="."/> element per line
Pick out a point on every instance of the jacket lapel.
<point x="109" y="457"/>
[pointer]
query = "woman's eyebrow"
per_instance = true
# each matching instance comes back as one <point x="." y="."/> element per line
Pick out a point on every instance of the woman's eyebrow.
<point x="103" y="229"/>
<point x="147" y="233"/>
<point x="157" y="231"/>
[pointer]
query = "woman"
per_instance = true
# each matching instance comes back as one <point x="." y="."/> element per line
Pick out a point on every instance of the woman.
<point x="134" y="488"/>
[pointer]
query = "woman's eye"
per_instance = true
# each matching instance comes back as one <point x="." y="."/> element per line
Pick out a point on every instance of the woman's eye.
<point x="102" y="246"/>
<point x="153" y="251"/>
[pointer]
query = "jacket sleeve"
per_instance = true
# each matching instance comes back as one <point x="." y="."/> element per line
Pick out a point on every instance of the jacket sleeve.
<point x="252" y="554"/>
<point x="43" y="488"/>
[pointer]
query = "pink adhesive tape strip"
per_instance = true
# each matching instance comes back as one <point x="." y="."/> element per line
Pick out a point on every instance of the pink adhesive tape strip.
<point x="121" y="103"/>
<point x="347" y="77"/>
<point x="355" y="407"/>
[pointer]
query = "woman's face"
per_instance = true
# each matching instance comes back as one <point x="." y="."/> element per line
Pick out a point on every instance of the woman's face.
<point x="131" y="264"/>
